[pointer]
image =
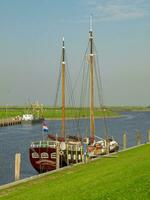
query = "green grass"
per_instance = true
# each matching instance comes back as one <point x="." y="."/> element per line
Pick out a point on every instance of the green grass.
<point x="120" y="177"/>
<point x="77" y="112"/>
<point x="51" y="113"/>
<point x="10" y="113"/>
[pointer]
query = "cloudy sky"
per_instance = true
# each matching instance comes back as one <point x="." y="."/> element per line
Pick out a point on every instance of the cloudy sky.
<point x="30" y="47"/>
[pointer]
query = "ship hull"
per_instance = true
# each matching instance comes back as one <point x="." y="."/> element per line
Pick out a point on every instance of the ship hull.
<point x="43" y="153"/>
<point x="43" y="159"/>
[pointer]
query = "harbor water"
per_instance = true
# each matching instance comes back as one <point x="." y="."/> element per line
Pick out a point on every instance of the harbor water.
<point x="17" y="139"/>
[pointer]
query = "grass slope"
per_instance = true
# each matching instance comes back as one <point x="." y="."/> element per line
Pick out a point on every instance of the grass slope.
<point x="124" y="176"/>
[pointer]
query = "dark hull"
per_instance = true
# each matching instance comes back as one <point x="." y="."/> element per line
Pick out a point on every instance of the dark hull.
<point x="43" y="159"/>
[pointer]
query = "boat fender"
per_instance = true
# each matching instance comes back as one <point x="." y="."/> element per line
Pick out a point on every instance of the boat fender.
<point x="62" y="146"/>
<point x="61" y="153"/>
<point x="74" y="157"/>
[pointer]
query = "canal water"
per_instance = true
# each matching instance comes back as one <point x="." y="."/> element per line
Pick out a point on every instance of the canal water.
<point x="17" y="139"/>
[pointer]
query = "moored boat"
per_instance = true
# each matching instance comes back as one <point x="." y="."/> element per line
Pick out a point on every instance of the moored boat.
<point x="34" y="114"/>
<point x="30" y="119"/>
<point x="67" y="149"/>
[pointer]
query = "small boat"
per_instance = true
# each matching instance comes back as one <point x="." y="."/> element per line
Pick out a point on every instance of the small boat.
<point x="30" y="119"/>
<point x="102" y="147"/>
<point x="34" y="114"/>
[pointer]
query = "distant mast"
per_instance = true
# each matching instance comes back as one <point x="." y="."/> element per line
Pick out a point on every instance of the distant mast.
<point x="63" y="90"/>
<point x="91" y="64"/>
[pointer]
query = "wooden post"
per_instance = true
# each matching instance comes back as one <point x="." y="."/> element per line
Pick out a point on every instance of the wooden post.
<point x="124" y="140"/>
<point x="82" y="156"/>
<point x="76" y="154"/>
<point x="149" y="135"/>
<point x="17" y="166"/>
<point x="107" y="147"/>
<point x="85" y="152"/>
<point x="57" y="157"/>
<point x="67" y="154"/>
<point x="138" y="137"/>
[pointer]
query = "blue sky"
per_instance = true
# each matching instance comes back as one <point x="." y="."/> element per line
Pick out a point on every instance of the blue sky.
<point x="30" y="47"/>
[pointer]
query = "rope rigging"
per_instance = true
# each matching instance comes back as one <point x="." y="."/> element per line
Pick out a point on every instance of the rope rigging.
<point x="70" y="101"/>
<point x="80" y="111"/>
<point x="84" y="94"/>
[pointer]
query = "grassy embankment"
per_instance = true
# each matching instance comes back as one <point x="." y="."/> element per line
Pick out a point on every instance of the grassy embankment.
<point x="51" y="113"/>
<point x="125" y="175"/>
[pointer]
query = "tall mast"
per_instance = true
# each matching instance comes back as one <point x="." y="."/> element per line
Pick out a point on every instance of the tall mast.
<point x="91" y="63"/>
<point x="63" y="90"/>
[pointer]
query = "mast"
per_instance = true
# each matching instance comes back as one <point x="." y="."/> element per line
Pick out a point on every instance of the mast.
<point x="91" y="63"/>
<point x="63" y="90"/>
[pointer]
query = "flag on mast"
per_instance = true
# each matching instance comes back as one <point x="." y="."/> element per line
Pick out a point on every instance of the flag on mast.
<point x="45" y="127"/>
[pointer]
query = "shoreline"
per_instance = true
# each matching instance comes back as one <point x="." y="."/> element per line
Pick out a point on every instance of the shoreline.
<point x="76" y="118"/>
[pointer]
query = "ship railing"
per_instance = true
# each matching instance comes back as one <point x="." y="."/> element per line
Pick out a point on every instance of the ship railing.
<point x="45" y="144"/>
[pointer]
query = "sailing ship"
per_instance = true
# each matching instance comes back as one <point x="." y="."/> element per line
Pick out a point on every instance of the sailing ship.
<point x="47" y="155"/>
<point x="97" y="146"/>
<point x="68" y="148"/>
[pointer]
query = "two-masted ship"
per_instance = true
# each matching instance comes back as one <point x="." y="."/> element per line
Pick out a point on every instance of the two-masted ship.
<point x="67" y="149"/>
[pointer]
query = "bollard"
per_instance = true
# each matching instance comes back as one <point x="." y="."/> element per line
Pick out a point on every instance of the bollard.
<point x="124" y="141"/>
<point x="57" y="157"/>
<point x="148" y="138"/>
<point x="138" y="137"/>
<point x="17" y="166"/>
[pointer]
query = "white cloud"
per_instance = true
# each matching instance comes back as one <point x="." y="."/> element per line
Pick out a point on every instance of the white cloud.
<point x="118" y="9"/>
<point x="111" y="10"/>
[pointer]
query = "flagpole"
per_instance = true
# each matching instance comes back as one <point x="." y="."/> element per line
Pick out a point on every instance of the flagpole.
<point x="44" y="129"/>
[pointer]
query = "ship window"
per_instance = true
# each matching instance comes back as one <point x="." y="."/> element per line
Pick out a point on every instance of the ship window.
<point x="53" y="155"/>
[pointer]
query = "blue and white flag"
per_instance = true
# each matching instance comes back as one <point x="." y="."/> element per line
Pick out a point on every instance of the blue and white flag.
<point x="45" y="128"/>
